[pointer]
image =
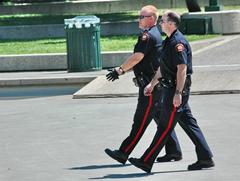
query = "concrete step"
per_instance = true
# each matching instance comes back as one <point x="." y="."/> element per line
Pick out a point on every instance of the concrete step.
<point x="206" y="80"/>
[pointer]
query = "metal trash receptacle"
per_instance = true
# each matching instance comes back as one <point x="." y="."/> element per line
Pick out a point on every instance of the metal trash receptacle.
<point x="83" y="43"/>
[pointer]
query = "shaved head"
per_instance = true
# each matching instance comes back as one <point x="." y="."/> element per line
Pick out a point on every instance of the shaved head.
<point x="151" y="10"/>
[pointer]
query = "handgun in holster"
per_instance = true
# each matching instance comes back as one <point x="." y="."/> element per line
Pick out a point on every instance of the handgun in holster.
<point x="187" y="85"/>
<point x="141" y="81"/>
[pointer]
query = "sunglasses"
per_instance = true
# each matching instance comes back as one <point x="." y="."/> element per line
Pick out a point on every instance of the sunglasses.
<point x="142" y="16"/>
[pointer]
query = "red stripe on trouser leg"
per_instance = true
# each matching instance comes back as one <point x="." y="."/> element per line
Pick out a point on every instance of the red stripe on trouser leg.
<point x="162" y="136"/>
<point x="142" y="125"/>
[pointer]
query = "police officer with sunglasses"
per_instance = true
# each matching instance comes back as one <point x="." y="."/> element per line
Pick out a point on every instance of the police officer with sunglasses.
<point x="144" y="62"/>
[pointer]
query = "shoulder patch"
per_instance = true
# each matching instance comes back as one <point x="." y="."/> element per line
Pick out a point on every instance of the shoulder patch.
<point x="145" y="36"/>
<point x="179" y="47"/>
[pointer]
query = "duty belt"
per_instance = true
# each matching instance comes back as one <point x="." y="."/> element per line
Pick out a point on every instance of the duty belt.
<point x="141" y="81"/>
<point x="169" y="83"/>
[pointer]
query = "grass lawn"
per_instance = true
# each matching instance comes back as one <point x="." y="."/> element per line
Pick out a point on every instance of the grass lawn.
<point x="35" y="19"/>
<point x="38" y="19"/>
<point x="113" y="43"/>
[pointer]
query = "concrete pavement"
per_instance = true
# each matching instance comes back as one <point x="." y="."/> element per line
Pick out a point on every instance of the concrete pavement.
<point x="58" y="138"/>
<point x="216" y="70"/>
<point x="46" y="78"/>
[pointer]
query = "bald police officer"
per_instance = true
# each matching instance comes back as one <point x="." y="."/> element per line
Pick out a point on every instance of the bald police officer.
<point x="144" y="62"/>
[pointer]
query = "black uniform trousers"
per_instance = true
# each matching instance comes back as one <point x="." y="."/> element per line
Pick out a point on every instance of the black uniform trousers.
<point x="172" y="145"/>
<point x="190" y="126"/>
<point x="169" y="116"/>
<point x="146" y="110"/>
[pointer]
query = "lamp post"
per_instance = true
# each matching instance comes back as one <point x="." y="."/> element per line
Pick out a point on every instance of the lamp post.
<point x="213" y="6"/>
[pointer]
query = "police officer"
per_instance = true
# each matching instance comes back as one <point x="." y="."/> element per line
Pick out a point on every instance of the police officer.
<point x="175" y="78"/>
<point x="144" y="62"/>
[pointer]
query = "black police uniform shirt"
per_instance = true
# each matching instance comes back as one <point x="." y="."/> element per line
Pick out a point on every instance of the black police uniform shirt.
<point x="176" y="50"/>
<point x="149" y="43"/>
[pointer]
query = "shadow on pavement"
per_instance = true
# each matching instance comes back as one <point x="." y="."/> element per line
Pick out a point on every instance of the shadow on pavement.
<point x="137" y="175"/>
<point x="118" y="176"/>
<point x="92" y="167"/>
<point x="134" y="175"/>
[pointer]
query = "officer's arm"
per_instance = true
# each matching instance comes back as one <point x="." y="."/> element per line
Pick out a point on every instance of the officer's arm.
<point x="149" y="88"/>
<point x="132" y="61"/>
<point x="181" y="76"/>
<point x="156" y="77"/>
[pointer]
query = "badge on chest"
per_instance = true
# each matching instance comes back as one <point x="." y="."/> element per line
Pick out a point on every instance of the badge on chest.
<point x="145" y="36"/>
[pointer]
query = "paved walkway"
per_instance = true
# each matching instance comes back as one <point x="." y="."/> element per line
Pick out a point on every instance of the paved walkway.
<point x="216" y="69"/>
<point x="58" y="138"/>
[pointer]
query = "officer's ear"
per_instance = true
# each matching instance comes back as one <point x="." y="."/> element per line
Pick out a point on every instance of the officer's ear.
<point x="152" y="18"/>
<point x="172" y="23"/>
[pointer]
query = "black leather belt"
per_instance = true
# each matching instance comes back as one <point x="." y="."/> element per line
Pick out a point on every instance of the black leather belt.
<point x="169" y="83"/>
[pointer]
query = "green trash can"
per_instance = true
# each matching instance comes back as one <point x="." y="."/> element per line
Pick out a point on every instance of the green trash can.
<point x="83" y="43"/>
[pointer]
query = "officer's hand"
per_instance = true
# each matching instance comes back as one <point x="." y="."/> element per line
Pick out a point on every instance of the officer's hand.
<point x="112" y="75"/>
<point x="148" y="89"/>
<point x="177" y="100"/>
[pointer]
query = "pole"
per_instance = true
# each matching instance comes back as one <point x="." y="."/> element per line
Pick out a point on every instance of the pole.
<point x="214" y="6"/>
<point x="193" y="5"/>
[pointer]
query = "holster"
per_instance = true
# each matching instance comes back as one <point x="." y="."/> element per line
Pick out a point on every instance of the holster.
<point x="169" y="83"/>
<point x="141" y="81"/>
<point x="188" y="82"/>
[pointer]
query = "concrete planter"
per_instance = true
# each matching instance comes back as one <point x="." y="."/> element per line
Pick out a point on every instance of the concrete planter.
<point x="57" y="31"/>
<point x="223" y="22"/>
<point x="53" y="61"/>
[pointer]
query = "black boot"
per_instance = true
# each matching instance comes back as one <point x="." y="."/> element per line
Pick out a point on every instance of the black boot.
<point x="170" y="157"/>
<point x="140" y="164"/>
<point x="117" y="155"/>
<point x="200" y="164"/>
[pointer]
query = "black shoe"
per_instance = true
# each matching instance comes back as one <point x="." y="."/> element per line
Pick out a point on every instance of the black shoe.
<point x="170" y="157"/>
<point x="140" y="164"/>
<point x="117" y="155"/>
<point x="200" y="164"/>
